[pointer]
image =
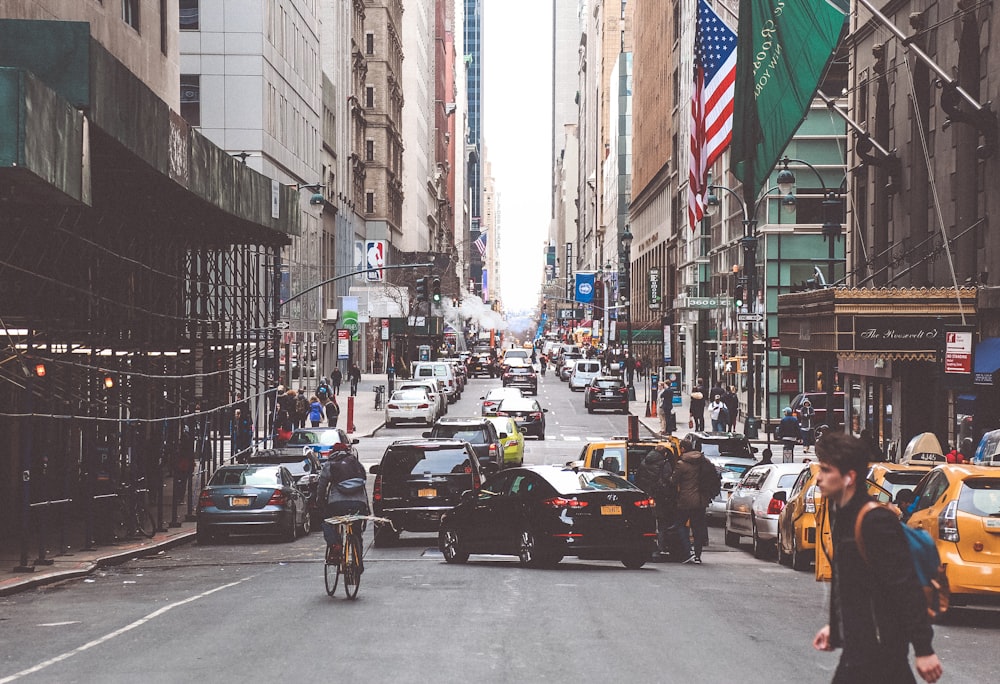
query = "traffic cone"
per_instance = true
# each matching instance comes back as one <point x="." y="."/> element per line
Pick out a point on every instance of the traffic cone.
<point x="647" y="409"/>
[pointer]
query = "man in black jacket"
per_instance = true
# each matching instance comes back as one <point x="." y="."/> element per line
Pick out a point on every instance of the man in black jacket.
<point x="877" y="608"/>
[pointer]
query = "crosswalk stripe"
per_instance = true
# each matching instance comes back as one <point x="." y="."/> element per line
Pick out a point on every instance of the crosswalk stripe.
<point x="571" y="438"/>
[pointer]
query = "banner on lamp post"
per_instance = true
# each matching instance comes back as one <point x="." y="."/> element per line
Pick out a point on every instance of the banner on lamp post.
<point x="654" y="288"/>
<point x="584" y="290"/>
<point x="349" y="316"/>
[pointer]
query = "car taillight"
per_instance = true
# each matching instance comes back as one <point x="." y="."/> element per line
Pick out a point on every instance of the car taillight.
<point x="562" y="502"/>
<point x="377" y="489"/>
<point x="774" y="506"/>
<point x="508" y="375"/>
<point x="423" y="406"/>
<point x="502" y="413"/>
<point x="394" y="406"/>
<point x="645" y="503"/>
<point x="325" y="453"/>
<point x="477" y="481"/>
<point x="277" y="499"/>
<point x="205" y="499"/>
<point x="948" y="522"/>
<point x="623" y="390"/>
<point x="510" y="443"/>
<point x="493" y="449"/>
<point x="537" y="415"/>
<point x="593" y="390"/>
<point x="813" y="495"/>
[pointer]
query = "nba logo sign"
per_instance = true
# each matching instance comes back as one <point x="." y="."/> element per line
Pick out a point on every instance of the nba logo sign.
<point x="375" y="259"/>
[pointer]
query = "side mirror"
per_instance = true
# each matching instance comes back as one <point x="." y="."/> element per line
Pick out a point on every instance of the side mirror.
<point x="780" y="496"/>
<point x="482" y="398"/>
<point x="502" y="435"/>
<point x="754" y="449"/>
<point x="426" y="433"/>
<point x="355" y="441"/>
<point x="544" y="410"/>
<point x="374" y="469"/>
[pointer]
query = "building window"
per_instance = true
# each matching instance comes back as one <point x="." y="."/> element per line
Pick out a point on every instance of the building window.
<point x="191" y="98"/>
<point x="369" y="150"/>
<point x="369" y="43"/>
<point x="189" y="15"/>
<point x="369" y="96"/>
<point x="163" y="26"/>
<point x="130" y="13"/>
<point x="369" y="201"/>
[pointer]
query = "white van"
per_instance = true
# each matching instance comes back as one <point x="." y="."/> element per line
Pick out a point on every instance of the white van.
<point x="440" y="370"/>
<point x="584" y="370"/>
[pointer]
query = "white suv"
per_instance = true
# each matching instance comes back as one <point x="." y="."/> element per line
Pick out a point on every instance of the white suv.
<point x="440" y="370"/>
<point x="584" y="370"/>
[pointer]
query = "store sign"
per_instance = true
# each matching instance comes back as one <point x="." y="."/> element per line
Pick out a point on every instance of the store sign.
<point x="706" y="302"/>
<point x="375" y="251"/>
<point x="349" y="311"/>
<point x="958" y="350"/>
<point x="343" y="344"/>
<point x="878" y="333"/>
<point x="789" y="382"/>
<point x="569" y="314"/>
<point x="654" y="288"/>
<point x="385" y="329"/>
<point x="668" y="354"/>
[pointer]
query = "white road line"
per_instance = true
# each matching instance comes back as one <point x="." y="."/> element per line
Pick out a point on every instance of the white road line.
<point x="118" y="632"/>
<point x="566" y="438"/>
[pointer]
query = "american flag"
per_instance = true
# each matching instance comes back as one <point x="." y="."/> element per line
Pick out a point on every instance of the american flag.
<point x="480" y="244"/>
<point x="711" y="104"/>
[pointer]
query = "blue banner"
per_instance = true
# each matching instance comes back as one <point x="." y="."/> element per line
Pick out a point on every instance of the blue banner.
<point x="585" y="288"/>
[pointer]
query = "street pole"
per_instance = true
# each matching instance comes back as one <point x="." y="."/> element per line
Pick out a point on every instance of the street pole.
<point x="749" y="243"/>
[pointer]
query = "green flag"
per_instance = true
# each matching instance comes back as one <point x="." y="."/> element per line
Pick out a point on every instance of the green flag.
<point x="783" y="47"/>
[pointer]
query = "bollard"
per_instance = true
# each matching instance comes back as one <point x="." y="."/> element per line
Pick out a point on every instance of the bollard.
<point x="350" y="415"/>
<point x="41" y="519"/>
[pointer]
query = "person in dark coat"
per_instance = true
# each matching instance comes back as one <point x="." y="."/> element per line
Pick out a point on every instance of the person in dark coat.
<point x="332" y="409"/>
<point x="732" y="402"/>
<point x="877" y="607"/>
<point x="696" y="406"/>
<point x="665" y="409"/>
<point x="790" y="434"/>
<point x="697" y="483"/>
<point x="655" y="477"/>
<point x="354" y="376"/>
<point x="336" y="377"/>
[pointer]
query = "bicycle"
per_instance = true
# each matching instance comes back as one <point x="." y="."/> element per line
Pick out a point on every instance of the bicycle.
<point x="349" y="562"/>
<point x="132" y="516"/>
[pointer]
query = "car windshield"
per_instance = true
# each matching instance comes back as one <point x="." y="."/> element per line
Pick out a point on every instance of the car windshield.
<point x="401" y="462"/>
<point x="519" y="370"/>
<point x="894" y="481"/>
<point x="504" y="392"/>
<point x="304" y="438"/>
<point x="588" y="367"/>
<point x="735" y="447"/>
<point x="787" y="480"/>
<point x="568" y="481"/>
<point x="980" y="496"/>
<point x="465" y="433"/>
<point x="419" y="388"/>
<point x="518" y="405"/>
<point x="608" y="384"/>
<point x="409" y="395"/>
<point x="263" y="476"/>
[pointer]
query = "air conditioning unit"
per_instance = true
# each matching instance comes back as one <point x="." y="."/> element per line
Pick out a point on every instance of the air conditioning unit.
<point x="332" y="315"/>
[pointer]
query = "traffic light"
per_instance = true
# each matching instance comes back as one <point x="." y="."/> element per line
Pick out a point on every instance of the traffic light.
<point x="436" y="289"/>
<point x="624" y="290"/>
<point x="421" y="289"/>
<point x="738" y="297"/>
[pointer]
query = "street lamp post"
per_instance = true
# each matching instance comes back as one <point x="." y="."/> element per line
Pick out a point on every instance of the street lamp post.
<point x="607" y="317"/>
<point x="626" y="244"/>
<point x="749" y="244"/>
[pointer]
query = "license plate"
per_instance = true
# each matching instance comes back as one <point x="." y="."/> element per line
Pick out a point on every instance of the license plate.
<point x="611" y="510"/>
<point x="993" y="524"/>
<point x="520" y="419"/>
<point x="609" y="394"/>
<point x="427" y="493"/>
<point x="241" y="500"/>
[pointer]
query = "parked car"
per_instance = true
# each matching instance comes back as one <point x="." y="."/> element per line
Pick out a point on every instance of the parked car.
<point x="543" y="513"/>
<point x="513" y="443"/>
<point x="606" y="392"/>
<point x="731" y="444"/>
<point x="418" y="480"/>
<point x="527" y="413"/>
<point x="584" y="370"/>
<point x="730" y="476"/>
<point x="442" y="371"/>
<point x="434" y="387"/>
<point x="304" y="466"/>
<point x="796" y="542"/>
<point x="959" y="506"/>
<point x="481" y="364"/>
<point x="410" y="405"/>
<point x="620" y="456"/>
<point x="252" y="498"/>
<point x="566" y="363"/>
<point x="818" y="401"/>
<point x="479" y="432"/>
<point x="491" y="402"/>
<point x="895" y="477"/>
<point x="753" y="509"/>
<point x="521" y="376"/>
<point x="320" y="440"/>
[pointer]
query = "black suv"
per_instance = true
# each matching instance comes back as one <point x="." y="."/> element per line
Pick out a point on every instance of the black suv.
<point x="606" y="392"/>
<point x="420" y="479"/>
<point x="521" y="376"/>
<point x="479" y="432"/>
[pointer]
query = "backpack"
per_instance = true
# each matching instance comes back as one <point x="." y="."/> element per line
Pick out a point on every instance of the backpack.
<point x="709" y="480"/>
<point x="926" y="562"/>
<point x="301" y="405"/>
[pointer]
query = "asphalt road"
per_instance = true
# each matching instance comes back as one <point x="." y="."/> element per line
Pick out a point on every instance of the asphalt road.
<point x="253" y="609"/>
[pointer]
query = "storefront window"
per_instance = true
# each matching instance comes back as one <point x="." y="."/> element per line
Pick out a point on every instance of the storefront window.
<point x="856" y="415"/>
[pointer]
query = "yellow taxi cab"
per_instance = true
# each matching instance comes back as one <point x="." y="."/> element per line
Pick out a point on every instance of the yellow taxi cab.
<point x="513" y="443"/>
<point x="959" y="506"/>
<point x="623" y="456"/>
<point x="892" y="478"/>
<point x="796" y="541"/>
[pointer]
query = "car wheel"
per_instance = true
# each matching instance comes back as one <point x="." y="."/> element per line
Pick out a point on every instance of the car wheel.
<point x="634" y="561"/>
<point x="451" y="548"/>
<point x="800" y="560"/>
<point x="783" y="558"/>
<point x="541" y="435"/>
<point x="732" y="539"/>
<point x="306" y="524"/>
<point x="385" y="535"/>
<point x="759" y="547"/>
<point x="390" y="423"/>
<point x="590" y="409"/>
<point x="291" y="532"/>
<point x="526" y="549"/>
<point x="624" y="411"/>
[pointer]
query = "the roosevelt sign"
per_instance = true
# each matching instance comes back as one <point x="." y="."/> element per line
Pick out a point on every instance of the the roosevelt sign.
<point x="878" y="333"/>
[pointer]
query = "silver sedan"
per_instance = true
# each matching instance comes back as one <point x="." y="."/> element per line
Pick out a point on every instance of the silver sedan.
<point x="410" y="405"/>
<point x="752" y="510"/>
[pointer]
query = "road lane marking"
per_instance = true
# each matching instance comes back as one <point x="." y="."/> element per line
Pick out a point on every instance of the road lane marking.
<point x="116" y="633"/>
<point x="59" y="624"/>
<point x="566" y="438"/>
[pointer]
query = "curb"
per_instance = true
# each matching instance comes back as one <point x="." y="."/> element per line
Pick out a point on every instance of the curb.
<point x="117" y="558"/>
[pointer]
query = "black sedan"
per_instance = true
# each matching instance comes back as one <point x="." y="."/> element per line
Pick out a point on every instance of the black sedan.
<point x="521" y="376"/>
<point x="606" y="392"/>
<point x="542" y="513"/>
<point x="529" y="416"/>
<point x="252" y="498"/>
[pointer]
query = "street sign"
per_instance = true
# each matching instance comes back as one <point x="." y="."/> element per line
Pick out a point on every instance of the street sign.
<point x="283" y="325"/>
<point x="755" y="317"/>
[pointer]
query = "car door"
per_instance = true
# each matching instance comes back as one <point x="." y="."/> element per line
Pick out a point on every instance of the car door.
<point x="740" y="503"/>
<point x="925" y="512"/>
<point x="795" y="508"/>
<point x="487" y="514"/>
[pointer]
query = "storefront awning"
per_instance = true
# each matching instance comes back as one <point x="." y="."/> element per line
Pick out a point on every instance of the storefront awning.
<point x="987" y="360"/>
<point x="641" y="335"/>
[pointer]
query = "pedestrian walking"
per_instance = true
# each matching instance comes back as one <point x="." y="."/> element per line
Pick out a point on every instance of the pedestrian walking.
<point x="315" y="411"/>
<point x="719" y="413"/>
<point x="789" y="433"/>
<point x="807" y="414"/>
<point x="696" y="407"/>
<point x="354" y="377"/>
<point x="332" y="409"/>
<point x="665" y="408"/>
<point x="877" y="606"/>
<point x="301" y="410"/>
<point x="698" y="482"/>
<point x="655" y="476"/>
<point x="336" y="377"/>
<point x="732" y="402"/>
<point x="241" y="431"/>
<point x="716" y="392"/>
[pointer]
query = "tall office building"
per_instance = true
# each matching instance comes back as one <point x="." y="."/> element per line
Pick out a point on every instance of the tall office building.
<point x="474" y="142"/>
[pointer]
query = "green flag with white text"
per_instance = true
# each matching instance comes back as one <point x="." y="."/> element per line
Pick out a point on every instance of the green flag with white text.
<point x="783" y="48"/>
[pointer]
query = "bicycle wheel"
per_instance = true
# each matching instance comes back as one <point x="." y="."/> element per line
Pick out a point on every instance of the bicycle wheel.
<point x="144" y="523"/>
<point x="352" y="566"/>
<point x="331" y="576"/>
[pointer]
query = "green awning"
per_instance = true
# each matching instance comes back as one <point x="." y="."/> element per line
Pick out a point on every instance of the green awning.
<point x="641" y="335"/>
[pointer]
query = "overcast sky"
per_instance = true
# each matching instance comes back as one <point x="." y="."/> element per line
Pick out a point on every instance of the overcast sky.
<point x="517" y="124"/>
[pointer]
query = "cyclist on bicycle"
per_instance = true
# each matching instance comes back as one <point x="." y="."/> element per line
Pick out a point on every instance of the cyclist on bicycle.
<point x="344" y="477"/>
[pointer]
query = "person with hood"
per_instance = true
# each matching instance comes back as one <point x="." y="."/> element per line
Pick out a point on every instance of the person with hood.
<point x="655" y="476"/>
<point x="807" y="413"/>
<point x="342" y="485"/>
<point x="790" y="433"/>
<point x="696" y="407"/>
<point x="698" y="482"/>
<point x="732" y="402"/>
